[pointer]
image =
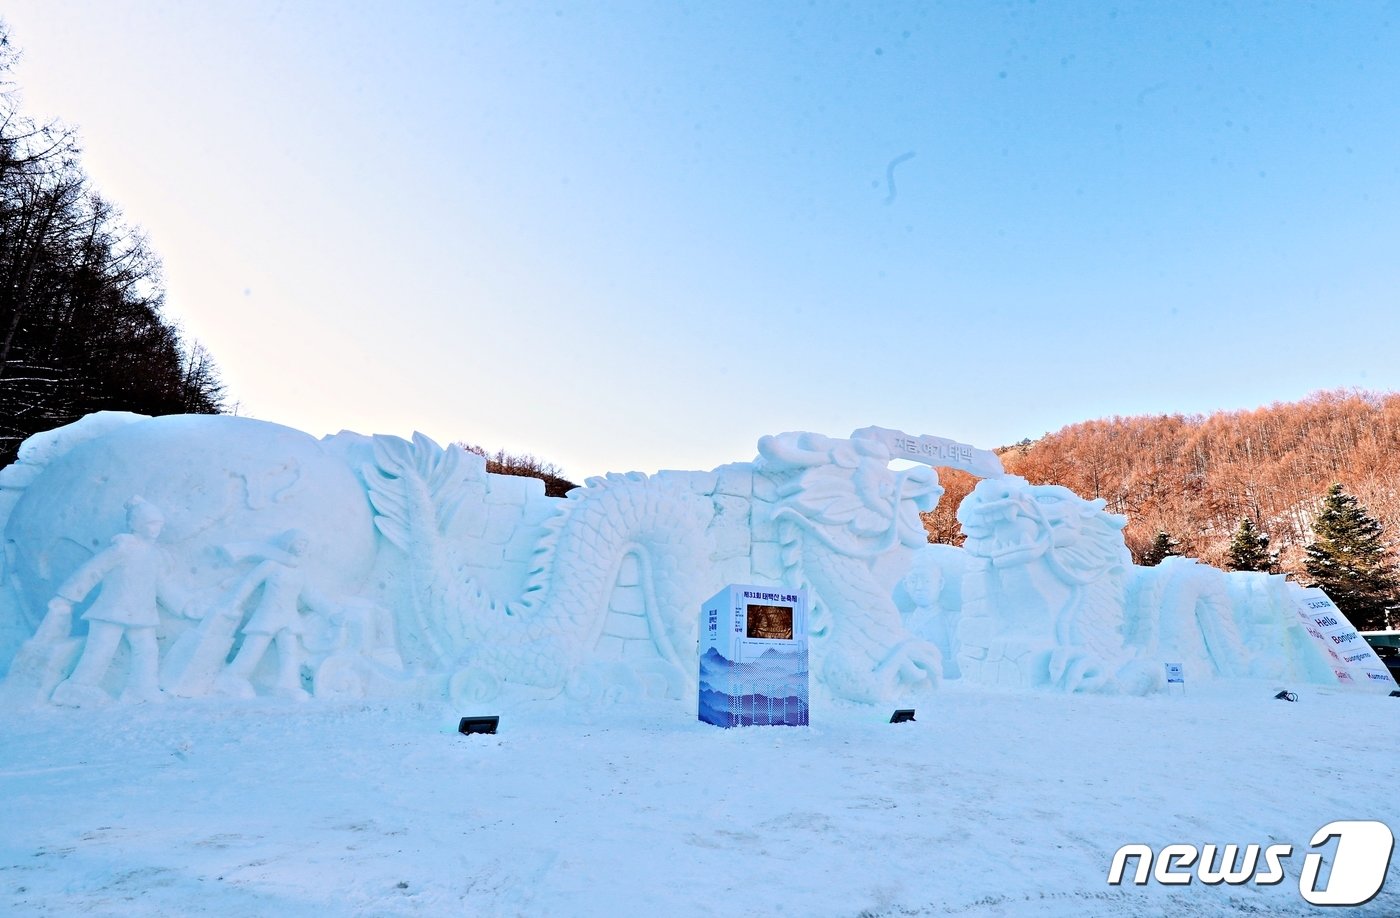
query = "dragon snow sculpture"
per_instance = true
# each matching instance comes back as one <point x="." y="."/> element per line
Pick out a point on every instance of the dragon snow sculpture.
<point x="618" y="532"/>
<point x="840" y="511"/>
<point x="1045" y="605"/>
<point x="1052" y="599"/>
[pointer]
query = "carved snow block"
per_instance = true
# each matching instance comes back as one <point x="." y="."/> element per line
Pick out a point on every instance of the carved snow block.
<point x="767" y="560"/>
<point x="512" y="489"/>
<point x="730" y="527"/>
<point x="735" y="480"/>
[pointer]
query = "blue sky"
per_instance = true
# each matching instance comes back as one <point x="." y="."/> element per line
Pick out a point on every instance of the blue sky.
<point x="642" y="235"/>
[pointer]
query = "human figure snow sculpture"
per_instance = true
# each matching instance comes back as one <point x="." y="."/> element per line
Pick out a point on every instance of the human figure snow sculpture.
<point x="349" y="644"/>
<point x="218" y="479"/>
<point x="937" y="571"/>
<point x="276" y="618"/>
<point x="132" y="576"/>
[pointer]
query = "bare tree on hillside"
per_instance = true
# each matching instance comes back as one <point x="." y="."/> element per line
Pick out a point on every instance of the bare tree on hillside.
<point x="81" y="294"/>
<point x="526" y="466"/>
<point x="1196" y="476"/>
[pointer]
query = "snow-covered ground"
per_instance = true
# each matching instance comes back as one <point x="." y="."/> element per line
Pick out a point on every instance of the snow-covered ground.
<point x="989" y="804"/>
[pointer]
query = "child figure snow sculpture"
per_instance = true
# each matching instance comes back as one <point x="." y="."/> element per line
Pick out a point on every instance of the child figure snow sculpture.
<point x="132" y="575"/>
<point x="277" y="618"/>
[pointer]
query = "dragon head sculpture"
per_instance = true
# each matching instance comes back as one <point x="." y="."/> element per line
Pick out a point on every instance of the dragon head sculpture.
<point x="845" y="491"/>
<point x="1010" y="522"/>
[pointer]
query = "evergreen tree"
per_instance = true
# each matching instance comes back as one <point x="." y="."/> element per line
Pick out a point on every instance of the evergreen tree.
<point x="1164" y="546"/>
<point x="1249" y="550"/>
<point x="1351" y="562"/>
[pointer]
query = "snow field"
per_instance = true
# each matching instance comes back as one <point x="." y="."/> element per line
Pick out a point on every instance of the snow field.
<point x="989" y="804"/>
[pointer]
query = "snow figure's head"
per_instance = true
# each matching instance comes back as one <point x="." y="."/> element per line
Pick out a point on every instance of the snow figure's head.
<point x="924" y="581"/>
<point x="295" y="542"/>
<point x="144" y="518"/>
<point x="935" y="577"/>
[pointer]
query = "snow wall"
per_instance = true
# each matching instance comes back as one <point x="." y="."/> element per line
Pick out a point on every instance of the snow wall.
<point x="188" y="556"/>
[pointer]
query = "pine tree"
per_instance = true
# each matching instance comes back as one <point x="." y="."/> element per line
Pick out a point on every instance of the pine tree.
<point x="1164" y="546"/>
<point x="1249" y="550"/>
<point x="1351" y="562"/>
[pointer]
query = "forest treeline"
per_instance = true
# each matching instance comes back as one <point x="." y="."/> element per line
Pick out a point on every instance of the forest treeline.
<point x="81" y="328"/>
<point x="525" y="466"/>
<point x="1195" y="477"/>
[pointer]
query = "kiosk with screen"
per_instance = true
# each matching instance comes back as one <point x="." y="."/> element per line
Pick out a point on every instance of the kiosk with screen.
<point x="753" y="657"/>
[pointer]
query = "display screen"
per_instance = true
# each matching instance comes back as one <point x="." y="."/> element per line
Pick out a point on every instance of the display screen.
<point x="770" y="622"/>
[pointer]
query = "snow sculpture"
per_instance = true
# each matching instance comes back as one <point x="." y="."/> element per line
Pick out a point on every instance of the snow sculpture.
<point x="605" y="592"/>
<point x="373" y="565"/>
<point x="1182" y="611"/>
<point x="840" y="511"/>
<point x="1051" y="599"/>
<point x="133" y="575"/>
<point x="929" y="596"/>
<point x="939" y="452"/>
<point x="277" y="618"/>
<point x="1281" y="647"/>
<point x="1044" y="602"/>
<point x="219" y="480"/>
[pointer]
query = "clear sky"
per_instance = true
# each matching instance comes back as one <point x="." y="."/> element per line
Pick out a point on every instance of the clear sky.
<point x="641" y="235"/>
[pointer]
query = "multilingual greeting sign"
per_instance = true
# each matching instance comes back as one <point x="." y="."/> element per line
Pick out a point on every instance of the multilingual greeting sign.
<point x="1353" y="661"/>
<point x="753" y="657"/>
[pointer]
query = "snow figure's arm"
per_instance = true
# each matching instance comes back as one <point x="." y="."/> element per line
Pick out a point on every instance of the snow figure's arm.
<point x="76" y="588"/>
<point x="318" y="602"/>
<point x="174" y="596"/>
<point x="232" y="604"/>
<point x="59" y="619"/>
<point x="259" y="551"/>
